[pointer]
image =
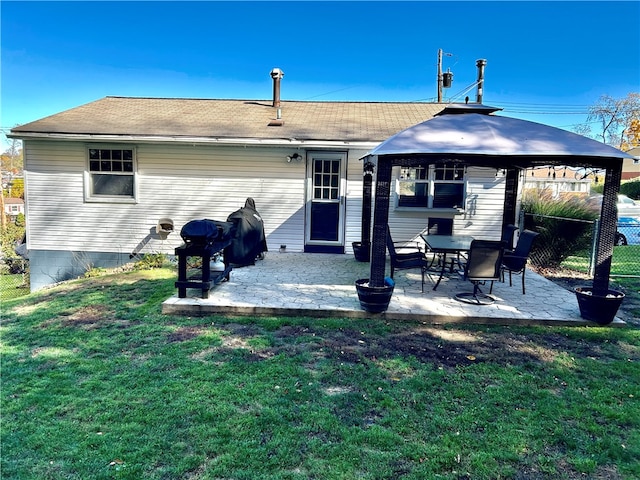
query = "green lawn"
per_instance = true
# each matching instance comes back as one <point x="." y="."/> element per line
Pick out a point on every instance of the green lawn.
<point x="98" y="384"/>
<point x="625" y="261"/>
<point x="12" y="286"/>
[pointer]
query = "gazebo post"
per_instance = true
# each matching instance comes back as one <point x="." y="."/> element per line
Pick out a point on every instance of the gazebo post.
<point x="510" y="196"/>
<point x="380" y="223"/>
<point x="365" y="234"/>
<point x="608" y="225"/>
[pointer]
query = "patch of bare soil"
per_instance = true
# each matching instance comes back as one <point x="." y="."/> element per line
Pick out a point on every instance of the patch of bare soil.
<point x="89" y="317"/>
<point x="442" y="348"/>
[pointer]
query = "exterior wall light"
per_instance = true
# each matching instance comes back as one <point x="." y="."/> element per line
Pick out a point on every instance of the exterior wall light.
<point x="296" y="156"/>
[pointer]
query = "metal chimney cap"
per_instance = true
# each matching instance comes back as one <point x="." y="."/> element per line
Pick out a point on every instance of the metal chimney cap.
<point x="277" y="73"/>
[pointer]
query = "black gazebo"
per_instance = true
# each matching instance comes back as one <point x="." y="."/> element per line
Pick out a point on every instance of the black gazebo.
<point x="472" y="135"/>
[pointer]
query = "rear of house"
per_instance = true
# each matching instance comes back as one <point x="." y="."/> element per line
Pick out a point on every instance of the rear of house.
<point x="101" y="176"/>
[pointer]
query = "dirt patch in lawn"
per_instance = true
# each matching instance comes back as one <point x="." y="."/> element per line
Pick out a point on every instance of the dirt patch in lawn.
<point x="443" y="348"/>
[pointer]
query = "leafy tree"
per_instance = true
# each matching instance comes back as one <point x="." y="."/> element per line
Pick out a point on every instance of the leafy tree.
<point x="12" y="161"/>
<point x="10" y="235"/>
<point x="617" y="120"/>
<point x="15" y="189"/>
<point x="631" y="136"/>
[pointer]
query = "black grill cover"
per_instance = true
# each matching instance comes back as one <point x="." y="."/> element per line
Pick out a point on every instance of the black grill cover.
<point x="206" y="232"/>
<point x="249" y="241"/>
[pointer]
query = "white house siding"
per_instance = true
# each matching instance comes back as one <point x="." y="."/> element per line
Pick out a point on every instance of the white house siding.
<point x="482" y="217"/>
<point x="186" y="183"/>
<point x="66" y="235"/>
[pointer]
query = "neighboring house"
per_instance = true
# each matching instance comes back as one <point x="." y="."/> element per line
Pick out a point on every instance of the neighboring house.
<point x="13" y="207"/>
<point x="100" y="177"/>
<point x="631" y="166"/>
<point x="559" y="182"/>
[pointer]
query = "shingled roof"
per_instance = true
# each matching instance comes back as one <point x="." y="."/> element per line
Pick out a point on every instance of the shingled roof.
<point x="134" y="117"/>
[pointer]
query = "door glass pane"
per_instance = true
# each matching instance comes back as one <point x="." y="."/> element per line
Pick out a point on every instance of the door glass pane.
<point x="326" y="175"/>
<point x="324" y="224"/>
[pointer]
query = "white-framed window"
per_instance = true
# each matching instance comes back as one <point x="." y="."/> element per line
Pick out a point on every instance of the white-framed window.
<point x="111" y="174"/>
<point x="433" y="186"/>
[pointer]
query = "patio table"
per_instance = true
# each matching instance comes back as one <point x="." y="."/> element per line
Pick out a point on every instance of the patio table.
<point x="447" y="244"/>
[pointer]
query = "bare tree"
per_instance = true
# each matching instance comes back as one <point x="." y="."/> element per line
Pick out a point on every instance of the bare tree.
<point x="12" y="157"/>
<point x="615" y="120"/>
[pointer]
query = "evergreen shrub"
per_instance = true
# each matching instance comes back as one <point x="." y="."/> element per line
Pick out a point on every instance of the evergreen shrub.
<point x="631" y="189"/>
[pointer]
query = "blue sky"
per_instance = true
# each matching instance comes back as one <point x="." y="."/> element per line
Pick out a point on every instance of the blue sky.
<point x="547" y="61"/>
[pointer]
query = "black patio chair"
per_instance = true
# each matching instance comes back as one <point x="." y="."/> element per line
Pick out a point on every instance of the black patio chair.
<point x="483" y="265"/>
<point x="507" y="236"/>
<point x="408" y="258"/>
<point x="515" y="262"/>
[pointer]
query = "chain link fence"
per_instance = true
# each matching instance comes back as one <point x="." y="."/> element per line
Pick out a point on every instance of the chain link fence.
<point x="571" y="243"/>
<point x="14" y="279"/>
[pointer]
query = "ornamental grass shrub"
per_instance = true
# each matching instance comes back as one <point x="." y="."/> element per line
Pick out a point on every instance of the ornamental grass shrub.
<point x="565" y="226"/>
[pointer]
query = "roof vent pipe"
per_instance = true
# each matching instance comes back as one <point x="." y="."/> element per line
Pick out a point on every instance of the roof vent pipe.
<point x="277" y="75"/>
<point x="480" y="64"/>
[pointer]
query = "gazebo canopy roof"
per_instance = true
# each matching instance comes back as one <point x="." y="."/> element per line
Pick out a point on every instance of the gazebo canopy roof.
<point x="482" y="135"/>
<point x="472" y="135"/>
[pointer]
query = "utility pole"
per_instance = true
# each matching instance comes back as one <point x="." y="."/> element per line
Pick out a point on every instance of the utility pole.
<point x="439" y="75"/>
<point x="444" y="80"/>
<point x="3" y="218"/>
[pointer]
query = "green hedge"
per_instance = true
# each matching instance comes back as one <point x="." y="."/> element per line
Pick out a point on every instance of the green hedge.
<point x="631" y="189"/>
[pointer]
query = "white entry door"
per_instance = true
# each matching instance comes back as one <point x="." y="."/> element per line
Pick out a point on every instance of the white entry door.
<point x="325" y="202"/>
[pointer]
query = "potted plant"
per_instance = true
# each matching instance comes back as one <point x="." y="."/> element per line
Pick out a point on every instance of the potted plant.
<point x="598" y="308"/>
<point x="374" y="299"/>
<point x="362" y="251"/>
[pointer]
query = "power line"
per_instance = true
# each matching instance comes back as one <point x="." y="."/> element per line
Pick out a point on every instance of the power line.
<point x="547" y="104"/>
<point x="542" y="112"/>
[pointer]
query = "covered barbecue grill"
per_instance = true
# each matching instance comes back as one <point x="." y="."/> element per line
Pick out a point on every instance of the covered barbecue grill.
<point x="249" y="242"/>
<point x="207" y="232"/>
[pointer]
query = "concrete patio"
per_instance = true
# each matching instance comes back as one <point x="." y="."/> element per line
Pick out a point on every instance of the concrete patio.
<point x="323" y="285"/>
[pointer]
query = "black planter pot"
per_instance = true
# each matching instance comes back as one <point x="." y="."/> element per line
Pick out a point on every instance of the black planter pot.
<point x="597" y="308"/>
<point x="374" y="299"/>
<point x="362" y="251"/>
